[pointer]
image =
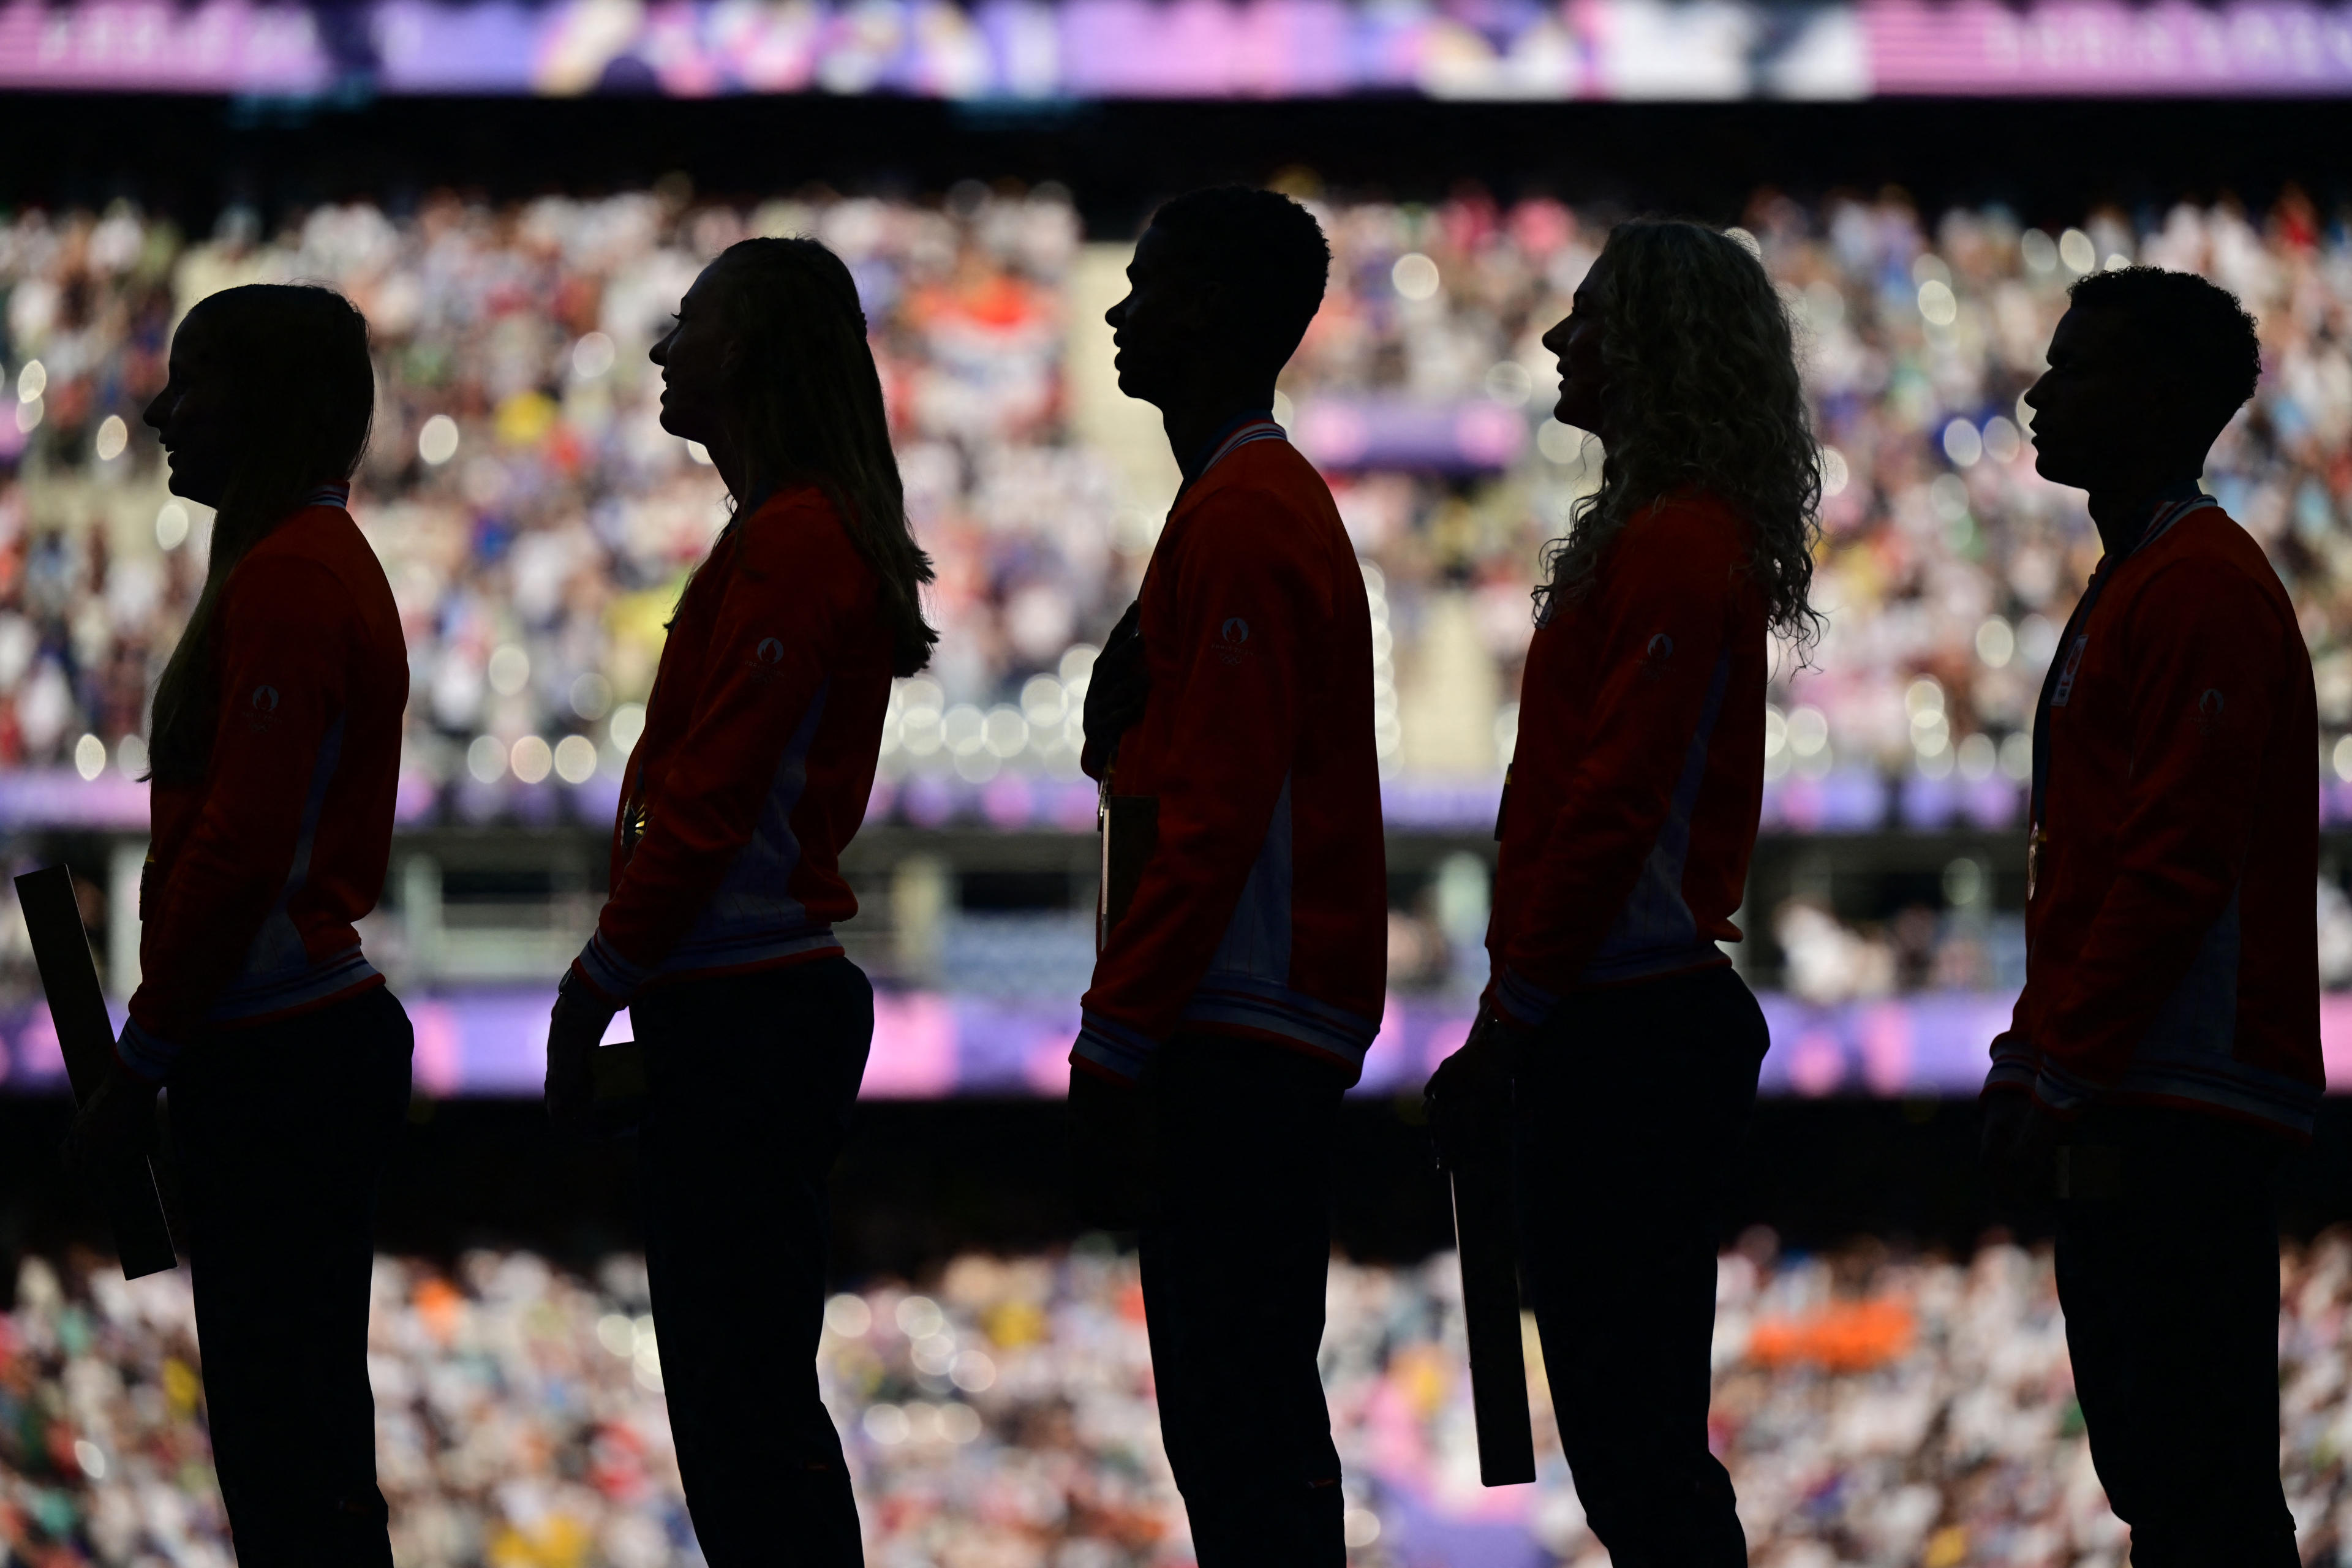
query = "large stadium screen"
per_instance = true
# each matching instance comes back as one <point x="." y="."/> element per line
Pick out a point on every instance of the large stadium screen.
<point x="1022" y="49"/>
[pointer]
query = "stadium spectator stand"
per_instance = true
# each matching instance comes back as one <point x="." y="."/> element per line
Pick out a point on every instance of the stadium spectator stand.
<point x="537" y="521"/>
<point x="1873" y="1408"/>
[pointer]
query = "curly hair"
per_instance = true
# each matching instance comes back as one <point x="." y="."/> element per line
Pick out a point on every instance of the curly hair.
<point x="1703" y="392"/>
<point x="2184" y="328"/>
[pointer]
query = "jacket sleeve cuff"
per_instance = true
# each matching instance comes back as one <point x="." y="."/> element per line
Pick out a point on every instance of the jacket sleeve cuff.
<point x="610" y="975"/>
<point x="2061" y="1092"/>
<point x="2014" y="1065"/>
<point x="149" y="1055"/>
<point x="1112" y="1047"/>
<point x="1520" y="1001"/>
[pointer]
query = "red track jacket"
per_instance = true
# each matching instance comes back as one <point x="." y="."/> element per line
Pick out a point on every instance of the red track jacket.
<point x="257" y="875"/>
<point x="2171" y="948"/>
<point x="757" y="759"/>
<point x="1263" y="911"/>
<point x="1630" y="807"/>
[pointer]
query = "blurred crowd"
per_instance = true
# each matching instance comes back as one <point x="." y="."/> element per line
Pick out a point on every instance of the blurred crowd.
<point x="1967" y="944"/>
<point x="1873" y="1410"/>
<point x="536" y="521"/>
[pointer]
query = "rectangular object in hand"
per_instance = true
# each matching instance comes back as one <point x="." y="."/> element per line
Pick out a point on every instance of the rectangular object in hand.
<point x="618" y="1075"/>
<point x="1130" y="832"/>
<point x="143" y="1238"/>
<point x="1484" y="1240"/>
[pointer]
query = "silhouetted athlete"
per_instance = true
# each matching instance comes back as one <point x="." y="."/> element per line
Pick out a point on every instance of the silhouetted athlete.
<point x="276" y="749"/>
<point x="1240" y="979"/>
<point x="1613" y="1020"/>
<point x="2167" y="1044"/>
<point x="754" y="770"/>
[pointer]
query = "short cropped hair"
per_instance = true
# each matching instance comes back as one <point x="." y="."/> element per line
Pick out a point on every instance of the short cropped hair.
<point x="1267" y="251"/>
<point x="2178" y="320"/>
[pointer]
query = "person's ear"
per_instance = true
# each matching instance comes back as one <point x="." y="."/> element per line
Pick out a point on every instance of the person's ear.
<point x="2170" y="421"/>
<point x="1204" y="303"/>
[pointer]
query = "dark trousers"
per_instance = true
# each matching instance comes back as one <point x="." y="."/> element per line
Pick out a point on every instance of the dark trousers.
<point x="279" y="1134"/>
<point x="750" y="1081"/>
<point x="1234" y="1270"/>
<point x="2167" y="1272"/>
<point x="1627" y="1109"/>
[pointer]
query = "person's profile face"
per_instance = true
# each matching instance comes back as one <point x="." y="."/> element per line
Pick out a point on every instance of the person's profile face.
<point x="195" y="414"/>
<point x="1157" y="324"/>
<point x="2096" y="410"/>
<point x="1576" y="341"/>
<point x="693" y="360"/>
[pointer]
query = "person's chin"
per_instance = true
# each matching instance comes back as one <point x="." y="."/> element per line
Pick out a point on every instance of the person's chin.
<point x="2054" y="468"/>
<point x="187" y="486"/>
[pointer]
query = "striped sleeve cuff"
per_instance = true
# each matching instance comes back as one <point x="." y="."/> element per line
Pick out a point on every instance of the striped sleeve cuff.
<point x="1113" y="1046"/>
<point x="2063" y="1091"/>
<point x="2005" y="1078"/>
<point x="1520" y="1001"/>
<point x="600" y="963"/>
<point x="149" y="1055"/>
<point x="2014" y="1065"/>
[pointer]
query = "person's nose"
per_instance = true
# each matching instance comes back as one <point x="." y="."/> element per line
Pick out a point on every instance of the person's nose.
<point x="1115" y="317"/>
<point x="1556" y="341"/>
<point x="659" y="353"/>
<point x="158" y="412"/>
<point x="2033" y="398"/>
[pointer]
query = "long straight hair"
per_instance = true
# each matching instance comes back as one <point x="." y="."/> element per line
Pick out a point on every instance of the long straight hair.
<point x="302" y="395"/>
<point x="804" y="405"/>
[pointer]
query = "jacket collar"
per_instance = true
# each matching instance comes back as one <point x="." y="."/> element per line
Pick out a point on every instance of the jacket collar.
<point x="2171" y="505"/>
<point x="1247" y="430"/>
<point x="1252" y="425"/>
